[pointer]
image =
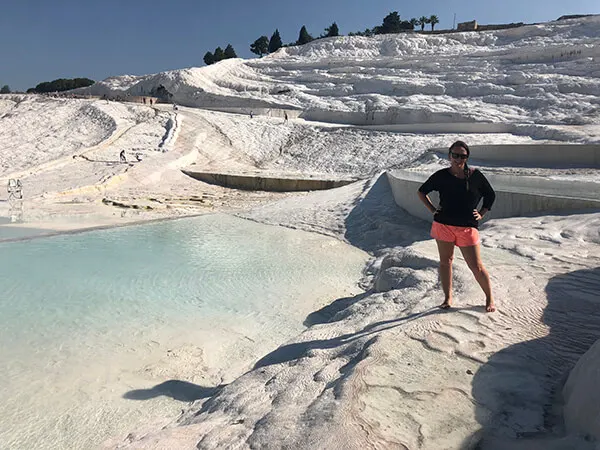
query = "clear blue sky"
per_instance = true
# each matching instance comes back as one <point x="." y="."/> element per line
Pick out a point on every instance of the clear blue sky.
<point x="43" y="40"/>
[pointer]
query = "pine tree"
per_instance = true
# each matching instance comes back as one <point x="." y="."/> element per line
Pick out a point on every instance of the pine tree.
<point x="391" y="24"/>
<point x="219" y="54"/>
<point x="230" y="52"/>
<point x="275" y="42"/>
<point x="332" y="30"/>
<point x="260" y="46"/>
<point x="209" y="58"/>
<point x="304" y="37"/>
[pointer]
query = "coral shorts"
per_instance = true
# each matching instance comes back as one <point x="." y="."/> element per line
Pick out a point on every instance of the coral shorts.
<point x="460" y="236"/>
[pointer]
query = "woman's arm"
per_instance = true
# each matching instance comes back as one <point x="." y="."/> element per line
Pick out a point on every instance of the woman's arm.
<point x="489" y="196"/>
<point x="427" y="202"/>
<point x="430" y="185"/>
<point x="480" y="214"/>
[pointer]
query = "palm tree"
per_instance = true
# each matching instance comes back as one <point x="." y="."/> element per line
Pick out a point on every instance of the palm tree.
<point x="423" y="21"/>
<point x="414" y="22"/>
<point x="433" y="20"/>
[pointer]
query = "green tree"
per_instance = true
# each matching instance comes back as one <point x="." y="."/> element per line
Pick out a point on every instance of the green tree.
<point x="368" y="32"/>
<point x="406" y="25"/>
<point x="391" y="24"/>
<point x="275" y="42"/>
<point x="304" y="37"/>
<point x="5" y="89"/>
<point x="219" y="54"/>
<point x="63" y="84"/>
<point x="332" y="30"/>
<point x="433" y="19"/>
<point x="260" y="46"/>
<point x="423" y="21"/>
<point x="414" y="22"/>
<point x="229" y="52"/>
<point x="209" y="58"/>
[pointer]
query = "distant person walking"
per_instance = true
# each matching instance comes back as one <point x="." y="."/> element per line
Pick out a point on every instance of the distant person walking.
<point x="456" y="219"/>
<point x="285" y="117"/>
<point x="15" y="189"/>
<point x="122" y="156"/>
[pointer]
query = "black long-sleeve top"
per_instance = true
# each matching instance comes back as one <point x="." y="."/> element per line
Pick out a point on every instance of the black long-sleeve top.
<point x="456" y="202"/>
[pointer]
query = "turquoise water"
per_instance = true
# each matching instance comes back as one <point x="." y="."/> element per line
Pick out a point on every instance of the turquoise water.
<point x="86" y="317"/>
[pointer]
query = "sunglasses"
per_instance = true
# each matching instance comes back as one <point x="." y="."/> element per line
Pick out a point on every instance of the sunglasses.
<point x="458" y="155"/>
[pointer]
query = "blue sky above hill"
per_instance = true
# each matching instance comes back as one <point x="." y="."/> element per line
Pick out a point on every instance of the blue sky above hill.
<point x="45" y="40"/>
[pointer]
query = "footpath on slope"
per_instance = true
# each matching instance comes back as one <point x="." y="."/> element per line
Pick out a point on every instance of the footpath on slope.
<point x="72" y="194"/>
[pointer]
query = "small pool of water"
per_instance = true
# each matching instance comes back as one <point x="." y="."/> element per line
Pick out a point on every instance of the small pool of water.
<point x="91" y="322"/>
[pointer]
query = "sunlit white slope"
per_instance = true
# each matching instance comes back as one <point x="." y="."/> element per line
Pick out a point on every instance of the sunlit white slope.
<point x="37" y="130"/>
<point x="545" y="74"/>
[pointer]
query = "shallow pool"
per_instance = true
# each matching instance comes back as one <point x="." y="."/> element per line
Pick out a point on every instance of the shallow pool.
<point x="90" y="322"/>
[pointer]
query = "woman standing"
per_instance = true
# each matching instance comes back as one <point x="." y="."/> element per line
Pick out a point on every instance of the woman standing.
<point x="456" y="220"/>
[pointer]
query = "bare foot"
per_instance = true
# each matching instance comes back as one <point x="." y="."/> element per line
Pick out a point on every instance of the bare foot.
<point x="489" y="306"/>
<point x="446" y="305"/>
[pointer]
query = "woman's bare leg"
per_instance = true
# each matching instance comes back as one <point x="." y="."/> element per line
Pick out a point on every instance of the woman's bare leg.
<point x="446" y="251"/>
<point x="472" y="256"/>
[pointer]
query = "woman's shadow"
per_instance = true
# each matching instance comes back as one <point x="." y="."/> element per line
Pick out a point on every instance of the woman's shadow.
<point x="518" y="391"/>
<point x="183" y="391"/>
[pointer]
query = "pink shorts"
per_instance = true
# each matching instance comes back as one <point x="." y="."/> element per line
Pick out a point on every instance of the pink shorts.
<point x="460" y="236"/>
